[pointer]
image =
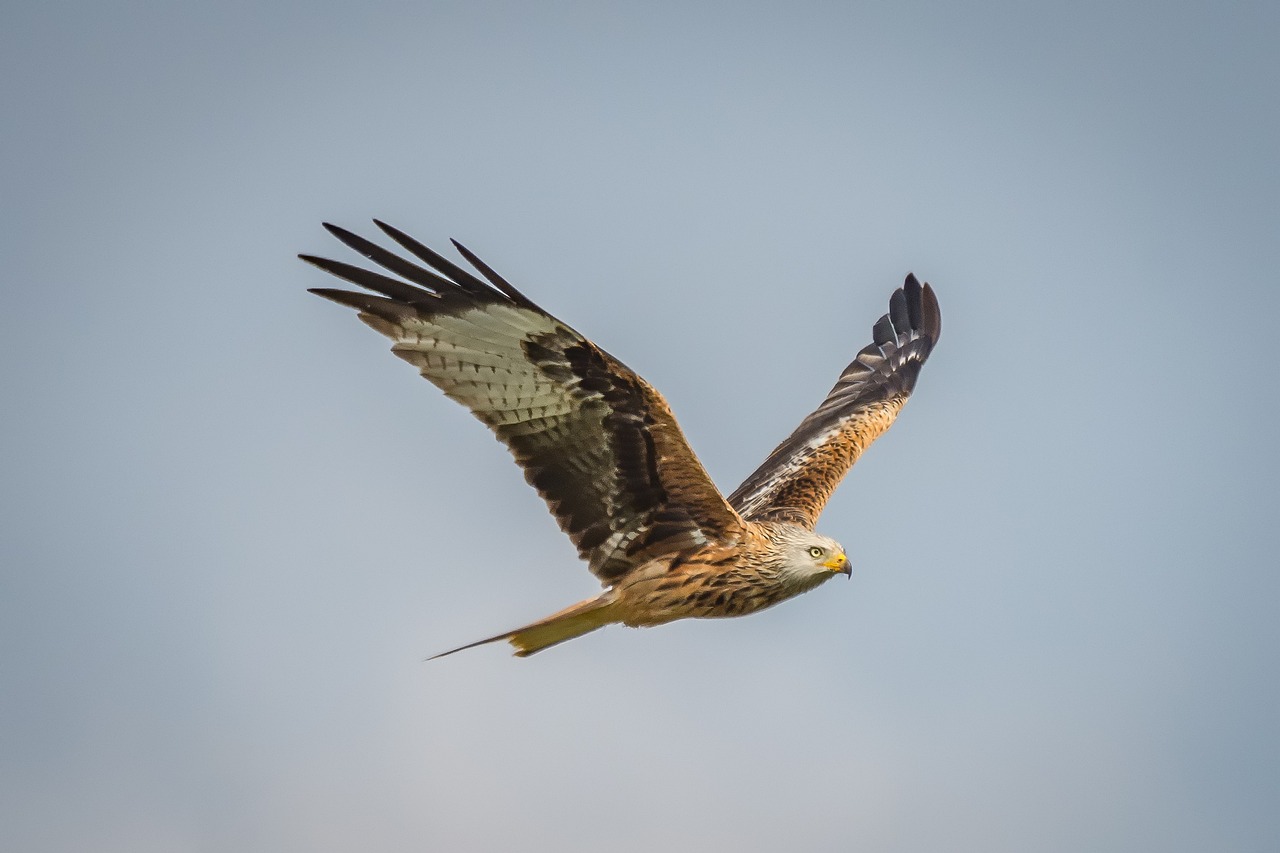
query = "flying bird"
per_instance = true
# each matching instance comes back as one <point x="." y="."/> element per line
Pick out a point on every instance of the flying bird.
<point x="604" y="451"/>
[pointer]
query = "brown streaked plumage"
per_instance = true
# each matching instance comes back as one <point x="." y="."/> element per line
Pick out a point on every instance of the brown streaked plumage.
<point x="603" y="449"/>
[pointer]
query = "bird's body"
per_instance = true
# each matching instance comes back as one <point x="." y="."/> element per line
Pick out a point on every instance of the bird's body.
<point x="605" y="452"/>
<point x="716" y="581"/>
<point x="731" y="578"/>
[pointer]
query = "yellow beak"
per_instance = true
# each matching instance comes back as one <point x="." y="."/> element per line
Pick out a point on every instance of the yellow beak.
<point x="840" y="564"/>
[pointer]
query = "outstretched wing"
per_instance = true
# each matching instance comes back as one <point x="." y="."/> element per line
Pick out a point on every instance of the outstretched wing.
<point x="598" y="443"/>
<point x="796" y="480"/>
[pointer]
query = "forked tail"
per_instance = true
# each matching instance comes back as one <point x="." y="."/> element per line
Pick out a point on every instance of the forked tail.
<point x="574" y="621"/>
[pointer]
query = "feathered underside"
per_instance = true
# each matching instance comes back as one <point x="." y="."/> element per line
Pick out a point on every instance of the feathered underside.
<point x="598" y="443"/>
<point x="797" y="479"/>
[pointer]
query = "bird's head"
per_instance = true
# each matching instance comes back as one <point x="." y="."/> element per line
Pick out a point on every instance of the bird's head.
<point x="809" y="559"/>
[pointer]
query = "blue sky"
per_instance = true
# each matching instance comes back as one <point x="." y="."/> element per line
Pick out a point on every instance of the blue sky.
<point x="234" y="524"/>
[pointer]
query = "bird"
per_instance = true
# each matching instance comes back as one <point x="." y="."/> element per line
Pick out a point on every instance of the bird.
<point x="603" y="449"/>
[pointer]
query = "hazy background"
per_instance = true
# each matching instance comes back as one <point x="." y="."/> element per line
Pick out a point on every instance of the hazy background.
<point x="233" y="524"/>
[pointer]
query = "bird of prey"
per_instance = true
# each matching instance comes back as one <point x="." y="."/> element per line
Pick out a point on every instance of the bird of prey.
<point x="602" y="448"/>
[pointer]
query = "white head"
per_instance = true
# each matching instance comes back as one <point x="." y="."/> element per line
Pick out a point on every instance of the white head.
<point x="808" y="559"/>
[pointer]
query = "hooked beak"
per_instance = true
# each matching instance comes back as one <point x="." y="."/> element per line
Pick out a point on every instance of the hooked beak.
<point x="840" y="565"/>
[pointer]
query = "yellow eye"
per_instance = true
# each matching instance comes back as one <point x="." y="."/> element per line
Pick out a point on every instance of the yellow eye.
<point x="815" y="552"/>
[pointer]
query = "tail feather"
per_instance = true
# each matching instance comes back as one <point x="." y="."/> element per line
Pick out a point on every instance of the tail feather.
<point x="574" y="621"/>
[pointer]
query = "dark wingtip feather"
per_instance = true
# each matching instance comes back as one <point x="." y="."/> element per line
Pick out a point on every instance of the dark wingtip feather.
<point x="436" y="261"/>
<point x="366" y="303"/>
<point x="377" y="282"/>
<point x="389" y="260"/>
<point x="342" y="297"/>
<point x="922" y="305"/>
<point x="898" y="312"/>
<point x="494" y="279"/>
<point x="911" y="287"/>
<point x="931" y="314"/>
<point x="882" y="331"/>
<point x="348" y="238"/>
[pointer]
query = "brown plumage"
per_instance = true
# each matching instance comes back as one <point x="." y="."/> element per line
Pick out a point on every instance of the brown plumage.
<point x="603" y="449"/>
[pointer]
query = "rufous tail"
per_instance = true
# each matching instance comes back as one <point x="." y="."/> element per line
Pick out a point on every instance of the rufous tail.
<point x="574" y="621"/>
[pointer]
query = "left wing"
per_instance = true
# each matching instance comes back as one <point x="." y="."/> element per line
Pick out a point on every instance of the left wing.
<point x="797" y="479"/>
<point x="598" y="442"/>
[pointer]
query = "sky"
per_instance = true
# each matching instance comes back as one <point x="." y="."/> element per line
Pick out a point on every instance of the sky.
<point x="234" y="524"/>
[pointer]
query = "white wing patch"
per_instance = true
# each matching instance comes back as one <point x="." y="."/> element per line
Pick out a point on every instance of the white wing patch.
<point x="477" y="358"/>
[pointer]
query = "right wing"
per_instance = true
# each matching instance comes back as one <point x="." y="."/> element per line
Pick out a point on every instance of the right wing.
<point x="799" y="476"/>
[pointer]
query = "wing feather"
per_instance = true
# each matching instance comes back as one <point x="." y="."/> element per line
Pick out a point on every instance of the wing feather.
<point x="598" y="443"/>
<point x="797" y="479"/>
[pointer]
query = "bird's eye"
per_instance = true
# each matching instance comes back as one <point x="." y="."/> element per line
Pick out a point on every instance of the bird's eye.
<point x="815" y="552"/>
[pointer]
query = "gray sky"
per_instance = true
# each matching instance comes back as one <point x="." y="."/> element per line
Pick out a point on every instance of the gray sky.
<point x="234" y="524"/>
